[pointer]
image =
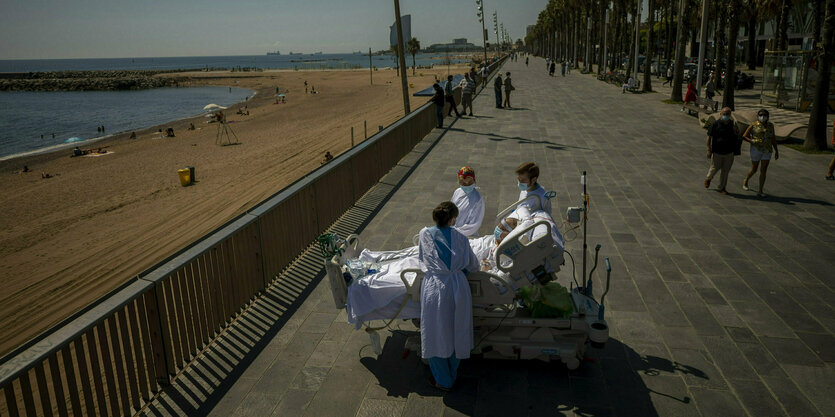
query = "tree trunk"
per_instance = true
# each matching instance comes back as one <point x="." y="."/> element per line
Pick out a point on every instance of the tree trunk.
<point x="817" y="17"/>
<point x="733" y="31"/>
<point x="816" y="132"/>
<point x="601" y="60"/>
<point x="781" y="37"/>
<point x="633" y="39"/>
<point x="647" y="85"/>
<point x="694" y="42"/>
<point x="752" y="41"/>
<point x="668" y="47"/>
<point x="681" y="39"/>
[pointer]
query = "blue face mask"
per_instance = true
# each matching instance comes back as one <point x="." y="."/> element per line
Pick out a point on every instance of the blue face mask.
<point x="468" y="188"/>
<point x="497" y="233"/>
<point x="725" y="118"/>
<point x="522" y="186"/>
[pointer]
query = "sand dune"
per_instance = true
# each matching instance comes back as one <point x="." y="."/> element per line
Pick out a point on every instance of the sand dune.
<point x="67" y="240"/>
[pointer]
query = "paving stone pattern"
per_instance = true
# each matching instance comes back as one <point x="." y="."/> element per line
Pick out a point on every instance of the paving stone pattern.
<point x="719" y="305"/>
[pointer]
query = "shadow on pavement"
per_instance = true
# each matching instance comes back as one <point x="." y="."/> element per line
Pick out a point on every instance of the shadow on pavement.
<point x="782" y="200"/>
<point x="501" y="138"/>
<point x="610" y="381"/>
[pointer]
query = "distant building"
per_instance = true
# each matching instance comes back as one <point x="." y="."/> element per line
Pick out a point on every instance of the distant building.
<point x="406" y="23"/>
<point x="457" y="45"/>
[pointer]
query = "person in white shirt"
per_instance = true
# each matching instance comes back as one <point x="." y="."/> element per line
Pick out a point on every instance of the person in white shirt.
<point x="469" y="202"/>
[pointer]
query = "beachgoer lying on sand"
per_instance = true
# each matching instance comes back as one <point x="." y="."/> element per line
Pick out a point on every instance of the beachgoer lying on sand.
<point x="328" y="158"/>
<point x="169" y="133"/>
<point x="77" y="152"/>
<point x="191" y="126"/>
<point x="132" y="135"/>
<point x="25" y="168"/>
<point x="44" y="175"/>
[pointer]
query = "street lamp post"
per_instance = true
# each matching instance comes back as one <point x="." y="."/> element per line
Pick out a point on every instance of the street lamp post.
<point x="401" y="57"/>
<point x="480" y="14"/>
<point x="588" y="42"/>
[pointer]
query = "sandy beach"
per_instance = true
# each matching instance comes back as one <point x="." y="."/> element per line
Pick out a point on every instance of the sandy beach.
<point x="69" y="239"/>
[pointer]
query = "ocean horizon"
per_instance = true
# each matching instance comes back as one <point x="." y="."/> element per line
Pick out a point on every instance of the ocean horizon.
<point x="308" y="61"/>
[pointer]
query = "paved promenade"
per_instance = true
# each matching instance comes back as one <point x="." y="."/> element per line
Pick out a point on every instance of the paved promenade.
<point x="720" y="305"/>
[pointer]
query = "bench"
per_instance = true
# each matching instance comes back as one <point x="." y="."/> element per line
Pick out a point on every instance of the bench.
<point x="702" y="105"/>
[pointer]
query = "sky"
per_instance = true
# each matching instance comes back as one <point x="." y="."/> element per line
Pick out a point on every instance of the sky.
<point x="54" y="29"/>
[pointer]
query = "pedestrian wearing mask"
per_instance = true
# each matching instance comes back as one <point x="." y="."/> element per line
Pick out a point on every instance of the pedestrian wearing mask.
<point x="722" y="143"/>
<point x="763" y="143"/>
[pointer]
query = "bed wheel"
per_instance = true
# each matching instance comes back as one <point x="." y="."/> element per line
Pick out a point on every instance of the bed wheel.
<point x="571" y="363"/>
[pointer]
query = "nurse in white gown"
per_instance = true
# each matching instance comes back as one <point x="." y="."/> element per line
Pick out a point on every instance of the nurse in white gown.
<point x="446" y="317"/>
<point x="469" y="202"/>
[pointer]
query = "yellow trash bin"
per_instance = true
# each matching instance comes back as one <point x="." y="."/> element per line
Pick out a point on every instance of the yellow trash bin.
<point x="185" y="176"/>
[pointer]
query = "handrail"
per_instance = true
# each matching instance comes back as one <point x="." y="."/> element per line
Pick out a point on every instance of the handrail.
<point x="119" y="351"/>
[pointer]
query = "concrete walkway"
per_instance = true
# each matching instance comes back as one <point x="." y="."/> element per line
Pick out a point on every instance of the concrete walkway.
<point x="720" y="305"/>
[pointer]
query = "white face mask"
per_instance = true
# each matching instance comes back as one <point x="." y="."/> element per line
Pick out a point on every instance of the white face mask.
<point x="762" y="118"/>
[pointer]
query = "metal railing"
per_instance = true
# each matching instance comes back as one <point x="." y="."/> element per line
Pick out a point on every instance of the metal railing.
<point x="115" y="356"/>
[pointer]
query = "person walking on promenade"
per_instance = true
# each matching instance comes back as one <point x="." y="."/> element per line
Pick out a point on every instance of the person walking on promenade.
<point x="438" y="99"/>
<point x="526" y="61"/>
<point x="497" y="88"/>
<point x="508" y="87"/>
<point x="690" y="96"/>
<point x="669" y="76"/>
<point x="710" y="89"/>
<point x="562" y="67"/>
<point x="467" y="89"/>
<point x="484" y="74"/>
<point x="763" y="142"/>
<point x="568" y="67"/>
<point x="450" y="98"/>
<point x="722" y="144"/>
<point x="548" y="64"/>
<point x="473" y="75"/>
<point x="552" y="69"/>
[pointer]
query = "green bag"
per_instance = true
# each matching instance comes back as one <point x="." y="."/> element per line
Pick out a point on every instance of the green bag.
<point x="549" y="301"/>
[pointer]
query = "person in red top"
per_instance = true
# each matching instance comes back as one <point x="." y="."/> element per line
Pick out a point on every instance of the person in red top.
<point x="829" y="175"/>
<point x="690" y="96"/>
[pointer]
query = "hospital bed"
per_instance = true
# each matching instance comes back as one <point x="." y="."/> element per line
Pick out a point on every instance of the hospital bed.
<point x="503" y="327"/>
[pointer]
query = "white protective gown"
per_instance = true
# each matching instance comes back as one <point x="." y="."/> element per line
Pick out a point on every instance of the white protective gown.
<point x="446" y="316"/>
<point x="470" y="211"/>
<point x="540" y="191"/>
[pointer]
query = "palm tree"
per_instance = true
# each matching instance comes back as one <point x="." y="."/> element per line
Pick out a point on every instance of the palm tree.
<point x="650" y="48"/>
<point x="678" y="71"/>
<point x="816" y="132"/>
<point x="733" y="30"/>
<point x="413" y="46"/>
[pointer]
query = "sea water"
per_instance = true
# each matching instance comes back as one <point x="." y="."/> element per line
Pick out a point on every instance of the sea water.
<point x="25" y="116"/>
<point x="307" y="61"/>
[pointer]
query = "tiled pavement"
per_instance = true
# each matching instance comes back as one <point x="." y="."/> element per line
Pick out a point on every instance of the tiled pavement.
<point x="720" y="305"/>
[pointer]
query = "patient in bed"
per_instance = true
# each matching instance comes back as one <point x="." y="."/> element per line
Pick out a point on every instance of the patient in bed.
<point x="380" y="295"/>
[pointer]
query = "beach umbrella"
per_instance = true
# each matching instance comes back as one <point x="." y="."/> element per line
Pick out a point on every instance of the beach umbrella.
<point x="213" y="107"/>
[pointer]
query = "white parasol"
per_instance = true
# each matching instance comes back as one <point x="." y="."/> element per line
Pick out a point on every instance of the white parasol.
<point x="213" y="107"/>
